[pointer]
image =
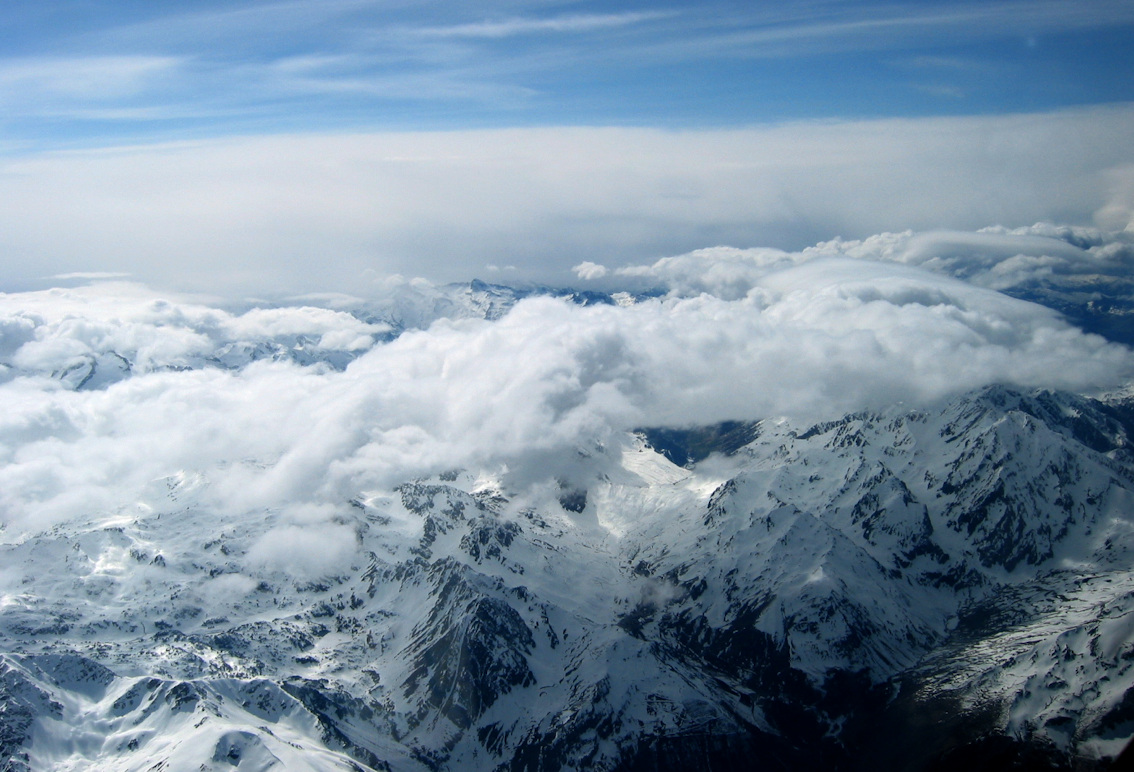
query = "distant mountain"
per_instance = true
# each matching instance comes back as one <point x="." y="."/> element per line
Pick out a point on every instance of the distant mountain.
<point x="905" y="589"/>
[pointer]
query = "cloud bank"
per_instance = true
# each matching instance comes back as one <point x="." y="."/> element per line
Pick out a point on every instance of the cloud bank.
<point x="317" y="212"/>
<point x="994" y="258"/>
<point x="815" y="333"/>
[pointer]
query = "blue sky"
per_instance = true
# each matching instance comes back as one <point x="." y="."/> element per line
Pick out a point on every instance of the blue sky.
<point x="92" y="72"/>
<point x="297" y="145"/>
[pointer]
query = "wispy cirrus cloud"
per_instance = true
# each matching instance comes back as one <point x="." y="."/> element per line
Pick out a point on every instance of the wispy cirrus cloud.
<point x="274" y="66"/>
<point x="825" y="28"/>
<point x="86" y="79"/>
<point x="555" y="24"/>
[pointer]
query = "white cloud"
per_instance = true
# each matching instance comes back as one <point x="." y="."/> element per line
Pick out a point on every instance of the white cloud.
<point x="304" y="551"/>
<point x="526" y="26"/>
<point x="790" y="30"/>
<point x="47" y="332"/>
<point x="224" y="591"/>
<point x="588" y="271"/>
<point x="38" y="81"/>
<point x="333" y="329"/>
<point x="996" y="258"/>
<point x="89" y="276"/>
<point x="724" y="272"/>
<point x="1118" y="212"/>
<point x="313" y="213"/>
<point x="804" y="334"/>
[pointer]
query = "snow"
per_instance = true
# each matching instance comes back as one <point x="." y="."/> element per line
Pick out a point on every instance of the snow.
<point x="251" y="608"/>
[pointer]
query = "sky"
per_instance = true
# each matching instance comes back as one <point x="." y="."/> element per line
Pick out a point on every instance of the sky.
<point x="114" y="71"/>
<point x="274" y="147"/>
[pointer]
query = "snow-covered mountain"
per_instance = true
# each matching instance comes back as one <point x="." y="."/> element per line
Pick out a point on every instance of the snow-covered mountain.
<point x="836" y="516"/>
<point x="952" y="577"/>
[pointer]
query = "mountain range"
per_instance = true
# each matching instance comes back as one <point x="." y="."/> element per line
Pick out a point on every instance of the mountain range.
<point x="911" y="587"/>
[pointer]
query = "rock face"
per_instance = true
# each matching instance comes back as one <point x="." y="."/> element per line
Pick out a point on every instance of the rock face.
<point x="903" y="589"/>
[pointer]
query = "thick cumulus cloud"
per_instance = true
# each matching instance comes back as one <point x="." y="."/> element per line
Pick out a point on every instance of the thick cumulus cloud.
<point x="129" y="328"/>
<point x="813" y="336"/>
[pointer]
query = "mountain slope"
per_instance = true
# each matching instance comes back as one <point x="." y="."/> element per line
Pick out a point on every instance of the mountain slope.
<point x="960" y="576"/>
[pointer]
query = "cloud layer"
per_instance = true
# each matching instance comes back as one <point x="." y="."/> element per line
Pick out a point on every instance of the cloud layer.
<point x="812" y="335"/>
<point x="304" y="213"/>
<point x="995" y="258"/>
